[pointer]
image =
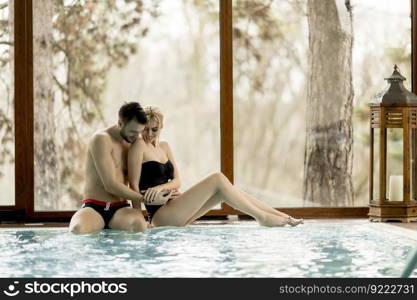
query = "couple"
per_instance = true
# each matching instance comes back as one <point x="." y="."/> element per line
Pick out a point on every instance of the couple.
<point x="127" y="161"/>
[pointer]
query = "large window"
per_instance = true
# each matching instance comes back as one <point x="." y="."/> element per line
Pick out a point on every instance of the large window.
<point x="91" y="56"/>
<point x="271" y="73"/>
<point x="7" y="156"/>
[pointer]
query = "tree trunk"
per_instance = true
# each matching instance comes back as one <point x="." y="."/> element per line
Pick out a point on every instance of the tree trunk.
<point x="329" y="137"/>
<point x="47" y="181"/>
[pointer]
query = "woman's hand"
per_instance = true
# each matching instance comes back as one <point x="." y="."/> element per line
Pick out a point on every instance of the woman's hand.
<point x="175" y="194"/>
<point x="156" y="196"/>
<point x="162" y="197"/>
<point x="151" y="193"/>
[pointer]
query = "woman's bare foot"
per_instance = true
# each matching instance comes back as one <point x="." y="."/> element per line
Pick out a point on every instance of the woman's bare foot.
<point x="271" y="220"/>
<point x="294" y="222"/>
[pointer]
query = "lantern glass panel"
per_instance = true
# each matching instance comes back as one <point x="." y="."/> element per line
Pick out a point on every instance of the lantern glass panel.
<point x="413" y="163"/>
<point x="376" y="156"/>
<point x="394" y="164"/>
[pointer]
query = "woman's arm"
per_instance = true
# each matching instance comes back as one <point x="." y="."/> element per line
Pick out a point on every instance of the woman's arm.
<point x="134" y="163"/>
<point x="175" y="183"/>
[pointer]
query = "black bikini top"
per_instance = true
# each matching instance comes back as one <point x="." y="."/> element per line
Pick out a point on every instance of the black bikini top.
<point x="155" y="173"/>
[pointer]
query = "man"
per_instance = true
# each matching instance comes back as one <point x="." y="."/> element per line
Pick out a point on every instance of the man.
<point x="106" y="190"/>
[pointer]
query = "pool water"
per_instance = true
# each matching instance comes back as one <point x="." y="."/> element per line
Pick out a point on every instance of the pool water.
<point x="243" y="249"/>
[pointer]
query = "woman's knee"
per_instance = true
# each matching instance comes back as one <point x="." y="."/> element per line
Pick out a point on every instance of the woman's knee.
<point x="218" y="177"/>
<point x="219" y="180"/>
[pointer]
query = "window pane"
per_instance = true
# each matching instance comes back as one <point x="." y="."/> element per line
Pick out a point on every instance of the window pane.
<point x="377" y="47"/>
<point x="107" y="52"/>
<point x="271" y="67"/>
<point x="270" y="47"/>
<point x="7" y="154"/>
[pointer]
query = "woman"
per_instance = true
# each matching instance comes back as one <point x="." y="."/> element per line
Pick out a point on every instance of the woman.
<point x="151" y="163"/>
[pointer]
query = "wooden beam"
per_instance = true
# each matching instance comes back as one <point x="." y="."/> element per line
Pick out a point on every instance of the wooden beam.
<point x="24" y="166"/>
<point x="226" y="88"/>
<point x="413" y="46"/>
<point x="310" y="213"/>
<point x="226" y="92"/>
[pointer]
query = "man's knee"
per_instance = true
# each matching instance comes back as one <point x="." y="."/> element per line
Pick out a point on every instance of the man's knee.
<point x="86" y="220"/>
<point x="137" y="224"/>
<point x="81" y="228"/>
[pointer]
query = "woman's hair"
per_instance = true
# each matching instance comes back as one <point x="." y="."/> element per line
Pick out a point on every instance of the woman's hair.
<point x="154" y="113"/>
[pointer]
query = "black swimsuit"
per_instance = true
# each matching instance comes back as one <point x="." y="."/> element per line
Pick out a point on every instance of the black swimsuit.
<point x="105" y="209"/>
<point x="155" y="173"/>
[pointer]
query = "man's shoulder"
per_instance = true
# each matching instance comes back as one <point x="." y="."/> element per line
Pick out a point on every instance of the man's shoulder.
<point x="100" y="137"/>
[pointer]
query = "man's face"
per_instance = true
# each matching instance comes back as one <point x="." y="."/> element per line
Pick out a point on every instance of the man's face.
<point x="131" y="130"/>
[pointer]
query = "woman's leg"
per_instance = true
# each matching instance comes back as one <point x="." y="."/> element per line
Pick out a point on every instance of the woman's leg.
<point x="180" y="211"/>
<point x="292" y="221"/>
<point x="263" y="205"/>
<point x="212" y="202"/>
<point x="217" y="199"/>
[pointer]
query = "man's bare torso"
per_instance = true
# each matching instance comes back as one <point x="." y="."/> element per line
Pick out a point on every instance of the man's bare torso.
<point x="94" y="188"/>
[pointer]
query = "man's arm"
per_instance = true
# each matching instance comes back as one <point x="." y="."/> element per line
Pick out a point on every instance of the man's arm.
<point x="100" y="151"/>
<point x="134" y="163"/>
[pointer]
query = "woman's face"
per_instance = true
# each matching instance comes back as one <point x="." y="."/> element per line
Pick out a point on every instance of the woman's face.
<point x="151" y="131"/>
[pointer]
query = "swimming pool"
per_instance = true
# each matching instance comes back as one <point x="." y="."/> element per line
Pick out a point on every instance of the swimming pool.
<point x="242" y="249"/>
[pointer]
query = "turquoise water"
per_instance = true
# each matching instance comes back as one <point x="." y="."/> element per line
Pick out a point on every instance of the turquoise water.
<point x="234" y="250"/>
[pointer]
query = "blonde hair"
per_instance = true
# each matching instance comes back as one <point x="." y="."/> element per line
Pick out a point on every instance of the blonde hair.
<point x="154" y="113"/>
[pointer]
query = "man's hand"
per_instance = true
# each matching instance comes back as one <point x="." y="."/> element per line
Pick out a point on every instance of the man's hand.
<point x="136" y="204"/>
